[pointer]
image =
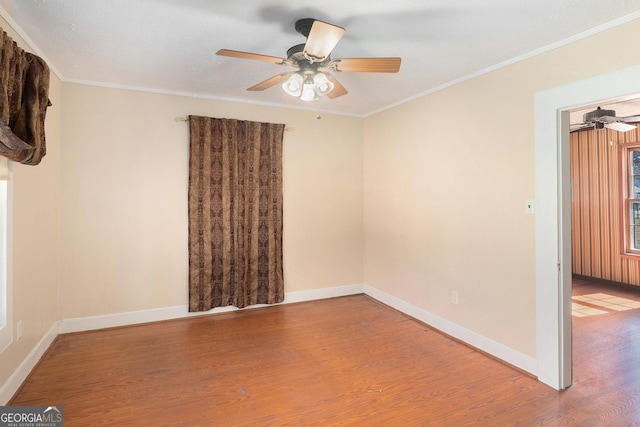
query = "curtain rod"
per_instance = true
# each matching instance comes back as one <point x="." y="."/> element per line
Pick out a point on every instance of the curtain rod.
<point x="186" y="119"/>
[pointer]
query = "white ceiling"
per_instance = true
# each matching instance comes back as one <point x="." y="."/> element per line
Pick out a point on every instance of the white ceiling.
<point x="169" y="45"/>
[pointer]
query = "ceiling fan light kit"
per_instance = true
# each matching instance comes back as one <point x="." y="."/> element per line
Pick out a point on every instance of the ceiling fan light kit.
<point x="313" y="79"/>
<point x="308" y="85"/>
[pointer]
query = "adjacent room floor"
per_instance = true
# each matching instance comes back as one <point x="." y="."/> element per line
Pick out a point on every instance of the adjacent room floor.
<point x="345" y="361"/>
<point x="606" y="356"/>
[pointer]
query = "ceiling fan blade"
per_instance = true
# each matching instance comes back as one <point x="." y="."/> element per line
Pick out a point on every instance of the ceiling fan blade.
<point x="338" y="89"/>
<point x="620" y="127"/>
<point x="580" y="126"/>
<point x="608" y="119"/>
<point x="322" y="39"/>
<point x="280" y="78"/>
<point x="630" y="119"/>
<point x="248" y="55"/>
<point x="368" y="65"/>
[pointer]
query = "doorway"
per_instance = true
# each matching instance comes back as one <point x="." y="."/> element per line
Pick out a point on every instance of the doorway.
<point x="553" y="213"/>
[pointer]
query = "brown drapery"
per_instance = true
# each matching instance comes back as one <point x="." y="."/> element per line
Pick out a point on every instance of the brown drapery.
<point x="24" y="88"/>
<point x="235" y="213"/>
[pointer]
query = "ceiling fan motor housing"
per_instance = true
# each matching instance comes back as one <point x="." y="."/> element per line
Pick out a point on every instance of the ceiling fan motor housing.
<point x="595" y="115"/>
<point x="303" y="26"/>
<point x="296" y="52"/>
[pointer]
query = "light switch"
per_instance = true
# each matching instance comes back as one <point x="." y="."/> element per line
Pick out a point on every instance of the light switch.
<point x="529" y="206"/>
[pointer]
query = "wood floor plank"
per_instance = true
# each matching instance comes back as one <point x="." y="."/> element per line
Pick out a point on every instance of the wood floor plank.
<point x="347" y="361"/>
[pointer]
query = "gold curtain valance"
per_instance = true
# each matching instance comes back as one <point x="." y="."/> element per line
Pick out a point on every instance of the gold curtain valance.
<point x="24" y="88"/>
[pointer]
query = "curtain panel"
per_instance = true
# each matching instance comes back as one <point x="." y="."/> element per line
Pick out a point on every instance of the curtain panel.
<point x="235" y="213"/>
<point x="24" y="98"/>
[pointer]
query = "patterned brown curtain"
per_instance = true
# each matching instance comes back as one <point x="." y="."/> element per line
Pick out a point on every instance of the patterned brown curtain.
<point x="235" y="213"/>
<point x="24" y="88"/>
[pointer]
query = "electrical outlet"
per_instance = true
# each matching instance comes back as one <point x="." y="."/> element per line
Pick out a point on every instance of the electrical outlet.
<point x="18" y="330"/>
<point x="454" y="297"/>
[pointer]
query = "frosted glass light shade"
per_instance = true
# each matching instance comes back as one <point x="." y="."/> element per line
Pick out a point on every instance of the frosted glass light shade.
<point x="308" y="85"/>
<point x="323" y="84"/>
<point x="309" y="92"/>
<point x="293" y="85"/>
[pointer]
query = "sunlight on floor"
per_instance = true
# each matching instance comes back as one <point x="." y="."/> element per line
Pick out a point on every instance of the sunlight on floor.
<point x="595" y="304"/>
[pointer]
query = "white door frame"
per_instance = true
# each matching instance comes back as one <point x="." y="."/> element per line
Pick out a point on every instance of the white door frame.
<point x="553" y="213"/>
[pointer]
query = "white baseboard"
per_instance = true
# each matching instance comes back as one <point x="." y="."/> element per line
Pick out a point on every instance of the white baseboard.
<point x="176" y="312"/>
<point x="517" y="359"/>
<point x="500" y="351"/>
<point x="339" y="291"/>
<point x="16" y="379"/>
<point x="80" y="324"/>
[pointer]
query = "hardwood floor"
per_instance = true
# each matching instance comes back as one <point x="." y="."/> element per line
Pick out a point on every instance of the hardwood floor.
<point x="347" y="361"/>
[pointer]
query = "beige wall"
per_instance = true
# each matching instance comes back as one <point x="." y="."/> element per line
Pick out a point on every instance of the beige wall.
<point x="124" y="182"/>
<point x="440" y="182"/>
<point x="446" y="179"/>
<point x="36" y="238"/>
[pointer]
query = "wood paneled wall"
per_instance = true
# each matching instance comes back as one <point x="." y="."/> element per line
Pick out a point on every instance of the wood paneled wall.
<point x="595" y="215"/>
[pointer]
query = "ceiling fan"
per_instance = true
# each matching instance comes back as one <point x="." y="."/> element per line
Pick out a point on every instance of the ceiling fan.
<point x="599" y="118"/>
<point x="312" y="63"/>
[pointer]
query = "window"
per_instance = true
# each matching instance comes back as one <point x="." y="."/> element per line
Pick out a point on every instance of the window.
<point x="631" y="199"/>
<point x="6" y="323"/>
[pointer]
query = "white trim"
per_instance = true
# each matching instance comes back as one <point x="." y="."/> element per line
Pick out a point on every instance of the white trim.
<point x="6" y="303"/>
<point x="520" y="58"/>
<point x="11" y="386"/>
<point x="6" y="265"/>
<point x="182" y="311"/>
<point x="16" y="379"/>
<point x="340" y="291"/>
<point x="515" y="358"/>
<point x="515" y="60"/>
<point x="208" y="97"/>
<point x="553" y="221"/>
<point x="496" y="349"/>
<point x="13" y="24"/>
<point x="585" y="34"/>
<point x="79" y="324"/>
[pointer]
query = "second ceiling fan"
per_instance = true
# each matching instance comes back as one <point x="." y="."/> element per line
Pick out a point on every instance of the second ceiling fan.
<point x="312" y="63"/>
<point x="600" y="118"/>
